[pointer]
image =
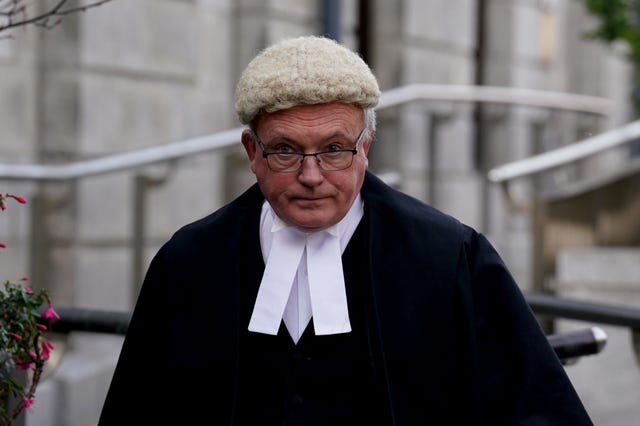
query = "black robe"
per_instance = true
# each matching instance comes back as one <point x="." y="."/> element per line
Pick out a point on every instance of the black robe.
<point x="454" y="338"/>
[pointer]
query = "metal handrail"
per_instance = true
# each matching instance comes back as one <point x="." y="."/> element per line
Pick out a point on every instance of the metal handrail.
<point x="229" y="138"/>
<point x="567" y="345"/>
<point x="89" y="320"/>
<point x="497" y="95"/>
<point x="565" y="155"/>
<point x="117" y="322"/>
<point x="121" y="161"/>
<point x="601" y="313"/>
<point x="570" y="345"/>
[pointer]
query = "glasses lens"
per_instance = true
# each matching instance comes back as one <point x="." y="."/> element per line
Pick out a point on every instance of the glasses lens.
<point x="284" y="162"/>
<point x="335" y="160"/>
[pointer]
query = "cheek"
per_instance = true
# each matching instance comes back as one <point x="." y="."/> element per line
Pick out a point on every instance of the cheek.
<point x="273" y="185"/>
<point x="357" y="176"/>
<point x="259" y="168"/>
<point x="347" y="187"/>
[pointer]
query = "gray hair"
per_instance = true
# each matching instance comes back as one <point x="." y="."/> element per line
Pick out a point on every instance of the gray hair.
<point x="369" y="123"/>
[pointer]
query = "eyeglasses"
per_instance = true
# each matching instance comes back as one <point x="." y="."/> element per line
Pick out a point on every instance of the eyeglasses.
<point x="283" y="161"/>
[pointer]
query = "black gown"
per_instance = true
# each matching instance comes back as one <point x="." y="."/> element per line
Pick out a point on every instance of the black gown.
<point x="451" y="334"/>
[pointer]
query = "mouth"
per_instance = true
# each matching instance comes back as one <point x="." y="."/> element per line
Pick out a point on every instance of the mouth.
<point x="308" y="200"/>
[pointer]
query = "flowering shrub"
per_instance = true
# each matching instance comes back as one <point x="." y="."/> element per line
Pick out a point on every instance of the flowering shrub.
<point x="22" y="345"/>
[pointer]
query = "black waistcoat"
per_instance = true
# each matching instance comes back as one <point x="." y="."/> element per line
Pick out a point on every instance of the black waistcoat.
<point x="323" y="380"/>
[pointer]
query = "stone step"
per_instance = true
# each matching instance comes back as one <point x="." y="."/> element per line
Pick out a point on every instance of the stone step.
<point x="608" y="381"/>
<point x="604" y="268"/>
<point x="73" y="393"/>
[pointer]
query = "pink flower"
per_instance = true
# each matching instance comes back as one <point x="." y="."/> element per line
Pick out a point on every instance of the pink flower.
<point x="42" y="327"/>
<point x="3" y="206"/>
<point x="47" y="347"/>
<point x="3" y="245"/>
<point x="18" y="198"/>
<point x="28" y="402"/>
<point x="16" y="337"/>
<point x="24" y="365"/>
<point x="25" y="278"/>
<point x="50" y="313"/>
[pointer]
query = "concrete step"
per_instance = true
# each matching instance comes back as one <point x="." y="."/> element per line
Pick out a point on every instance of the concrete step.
<point x="73" y="393"/>
<point x="603" y="268"/>
<point x="606" y="382"/>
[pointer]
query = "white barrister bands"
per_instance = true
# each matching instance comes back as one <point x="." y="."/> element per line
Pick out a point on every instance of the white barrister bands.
<point x="279" y="274"/>
<point x="326" y="284"/>
<point x="303" y="276"/>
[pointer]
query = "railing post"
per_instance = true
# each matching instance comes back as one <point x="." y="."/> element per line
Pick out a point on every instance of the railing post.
<point x="138" y="237"/>
<point x="141" y="184"/>
<point x="635" y="343"/>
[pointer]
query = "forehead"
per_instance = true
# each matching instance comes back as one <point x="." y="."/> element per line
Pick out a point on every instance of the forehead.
<point x="312" y="119"/>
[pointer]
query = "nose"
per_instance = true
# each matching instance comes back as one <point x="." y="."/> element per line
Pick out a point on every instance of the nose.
<point x="310" y="173"/>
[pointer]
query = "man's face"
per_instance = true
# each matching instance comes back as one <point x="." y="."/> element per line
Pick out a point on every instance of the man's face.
<point x="310" y="199"/>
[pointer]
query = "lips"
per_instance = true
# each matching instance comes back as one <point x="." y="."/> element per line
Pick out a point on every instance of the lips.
<point x="309" y="201"/>
<point x="308" y="198"/>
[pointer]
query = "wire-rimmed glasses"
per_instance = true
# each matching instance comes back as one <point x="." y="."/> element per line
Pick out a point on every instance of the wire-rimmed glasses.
<point x="290" y="162"/>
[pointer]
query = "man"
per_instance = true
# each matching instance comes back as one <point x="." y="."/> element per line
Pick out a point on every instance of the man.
<point x="321" y="296"/>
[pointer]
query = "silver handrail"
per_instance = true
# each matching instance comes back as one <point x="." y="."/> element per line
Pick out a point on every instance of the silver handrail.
<point x="497" y="95"/>
<point x="120" y="161"/>
<point x="228" y="138"/>
<point x="566" y="154"/>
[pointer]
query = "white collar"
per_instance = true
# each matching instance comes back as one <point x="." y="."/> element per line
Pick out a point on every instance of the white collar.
<point x="303" y="276"/>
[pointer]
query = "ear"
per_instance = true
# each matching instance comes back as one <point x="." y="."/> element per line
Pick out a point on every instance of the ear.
<point x="250" y="146"/>
<point x="367" y="144"/>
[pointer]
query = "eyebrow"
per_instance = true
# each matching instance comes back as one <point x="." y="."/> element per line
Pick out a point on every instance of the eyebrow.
<point x="284" y="138"/>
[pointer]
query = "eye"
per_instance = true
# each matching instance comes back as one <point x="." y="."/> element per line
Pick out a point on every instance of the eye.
<point x="283" y="149"/>
<point x="334" y="147"/>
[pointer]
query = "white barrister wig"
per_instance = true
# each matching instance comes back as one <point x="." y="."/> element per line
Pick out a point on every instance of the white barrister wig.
<point x="304" y="71"/>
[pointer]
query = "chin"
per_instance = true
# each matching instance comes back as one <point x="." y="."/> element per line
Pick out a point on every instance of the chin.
<point x="312" y="225"/>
